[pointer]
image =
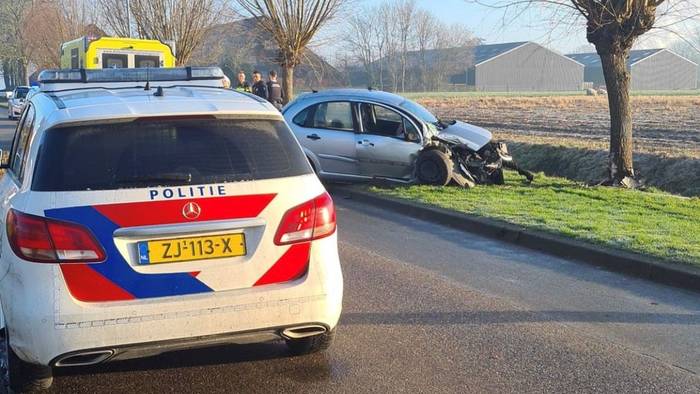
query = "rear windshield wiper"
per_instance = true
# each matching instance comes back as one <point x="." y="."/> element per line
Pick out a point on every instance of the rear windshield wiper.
<point x="181" y="177"/>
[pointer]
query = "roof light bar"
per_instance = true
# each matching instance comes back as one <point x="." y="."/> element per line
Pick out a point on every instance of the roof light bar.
<point x="130" y="75"/>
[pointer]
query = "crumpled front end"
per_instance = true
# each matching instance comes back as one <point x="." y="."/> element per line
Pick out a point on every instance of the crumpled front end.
<point x="465" y="155"/>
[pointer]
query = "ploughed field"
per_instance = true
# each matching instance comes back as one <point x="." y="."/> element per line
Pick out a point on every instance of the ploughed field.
<point x="664" y="125"/>
<point x="568" y="136"/>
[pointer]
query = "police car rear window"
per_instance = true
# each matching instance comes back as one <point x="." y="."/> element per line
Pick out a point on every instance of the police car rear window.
<point x="151" y="153"/>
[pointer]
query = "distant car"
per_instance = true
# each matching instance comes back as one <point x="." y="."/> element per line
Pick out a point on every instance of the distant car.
<point x="356" y="135"/>
<point x="135" y="221"/>
<point x="17" y="101"/>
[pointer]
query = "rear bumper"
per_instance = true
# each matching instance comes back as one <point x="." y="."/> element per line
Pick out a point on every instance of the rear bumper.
<point x="37" y="341"/>
<point x="43" y="332"/>
<point x="126" y="352"/>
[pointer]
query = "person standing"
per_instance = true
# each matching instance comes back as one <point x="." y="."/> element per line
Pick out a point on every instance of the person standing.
<point x="259" y="87"/>
<point x="274" y="90"/>
<point x="243" y="85"/>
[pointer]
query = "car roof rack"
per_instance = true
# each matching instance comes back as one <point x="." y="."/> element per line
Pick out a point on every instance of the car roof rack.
<point x="66" y="79"/>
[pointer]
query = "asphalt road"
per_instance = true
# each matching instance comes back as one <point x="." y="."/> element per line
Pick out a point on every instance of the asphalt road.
<point x="431" y="309"/>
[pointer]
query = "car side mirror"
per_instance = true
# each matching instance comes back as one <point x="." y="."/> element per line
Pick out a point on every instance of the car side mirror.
<point x="8" y="95"/>
<point x="4" y="159"/>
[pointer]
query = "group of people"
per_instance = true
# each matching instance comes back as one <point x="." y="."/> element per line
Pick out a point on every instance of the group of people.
<point x="270" y="90"/>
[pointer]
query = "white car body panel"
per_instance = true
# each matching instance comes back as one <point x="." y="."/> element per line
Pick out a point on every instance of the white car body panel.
<point x="46" y="320"/>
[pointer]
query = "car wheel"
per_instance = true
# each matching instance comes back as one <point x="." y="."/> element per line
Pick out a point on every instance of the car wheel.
<point x="497" y="177"/>
<point x="310" y="345"/>
<point x="434" y="167"/>
<point x="21" y="376"/>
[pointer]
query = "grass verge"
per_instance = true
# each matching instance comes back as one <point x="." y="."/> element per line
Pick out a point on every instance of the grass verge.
<point x="677" y="175"/>
<point x="653" y="223"/>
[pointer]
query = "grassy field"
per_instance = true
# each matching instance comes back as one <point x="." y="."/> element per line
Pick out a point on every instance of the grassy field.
<point x="639" y="93"/>
<point x="425" y="95"/>
<point x="568" y="136"/>
<point x="652" y="223"/>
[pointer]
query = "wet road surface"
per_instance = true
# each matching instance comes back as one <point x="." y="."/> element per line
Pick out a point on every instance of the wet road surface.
<point x="430" y="309"/>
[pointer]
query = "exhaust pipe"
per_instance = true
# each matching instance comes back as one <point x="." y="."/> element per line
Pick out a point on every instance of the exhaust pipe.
<point x="87" y="358"/>
<point x="304" y="331"/>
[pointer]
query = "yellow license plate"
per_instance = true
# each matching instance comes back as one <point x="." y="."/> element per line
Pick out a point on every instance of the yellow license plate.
<point x="189" y="249"/>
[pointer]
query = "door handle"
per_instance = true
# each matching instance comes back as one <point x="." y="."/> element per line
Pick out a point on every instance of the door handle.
<point x="365" y="142"/>
<point x="314" y="137"/>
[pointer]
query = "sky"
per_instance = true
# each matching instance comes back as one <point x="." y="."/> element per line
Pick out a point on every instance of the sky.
<point x="496" y="26"/>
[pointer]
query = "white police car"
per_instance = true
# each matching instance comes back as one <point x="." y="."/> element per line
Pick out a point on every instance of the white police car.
<point x="141" y="217"/>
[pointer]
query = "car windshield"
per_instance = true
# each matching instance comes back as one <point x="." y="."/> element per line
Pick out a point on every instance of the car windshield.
<point x="419" y="111"/>
<point x="148" y="153"/>
<point x="21" y="93"/>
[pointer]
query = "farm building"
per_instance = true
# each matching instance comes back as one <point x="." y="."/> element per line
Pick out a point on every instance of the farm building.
<point x="521" y="66"/>
<point x="651" y="69"/>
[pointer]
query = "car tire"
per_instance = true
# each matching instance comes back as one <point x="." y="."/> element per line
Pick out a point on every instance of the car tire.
<point x="434" y="167"/>
<point x="497" y="177"/>
<point x="310" y="345"/>
<point x="20" y="376"/>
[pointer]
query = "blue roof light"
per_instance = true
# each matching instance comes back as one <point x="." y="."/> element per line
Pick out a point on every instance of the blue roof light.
<point x="131" y="75"/>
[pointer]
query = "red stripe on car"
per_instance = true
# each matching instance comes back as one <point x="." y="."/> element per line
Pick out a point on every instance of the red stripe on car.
<point x="88" y="285"/>
<point x="292" y="265"/>
<point x="171" y="211"/>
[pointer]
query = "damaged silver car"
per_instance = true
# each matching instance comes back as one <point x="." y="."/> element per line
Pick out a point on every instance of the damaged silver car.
<point x="360" y="135"/>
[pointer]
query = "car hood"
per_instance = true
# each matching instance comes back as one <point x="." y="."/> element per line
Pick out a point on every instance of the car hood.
<point x="474" y="137"/>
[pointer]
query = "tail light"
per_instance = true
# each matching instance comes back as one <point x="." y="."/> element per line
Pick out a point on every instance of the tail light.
<point x="42" y="240"/>
<point x="311" y="220"/>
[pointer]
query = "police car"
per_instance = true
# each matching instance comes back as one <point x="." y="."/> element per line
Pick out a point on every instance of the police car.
<point x="149" y="210"/>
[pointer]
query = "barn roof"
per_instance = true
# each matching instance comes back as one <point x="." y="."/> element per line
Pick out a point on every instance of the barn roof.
<point x="593" y="59"/>
<point x="483" y="53"/>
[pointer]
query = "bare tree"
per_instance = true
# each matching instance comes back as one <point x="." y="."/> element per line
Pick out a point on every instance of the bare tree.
<point x="381" y="43"/>
<point x="689" y="46"/>
<point x="426" y="28"/>
<point x="390" y="43"/>
<point x="15" y="55"/>
<point x="416" y="48"/>
<point x="184" y="21"/>
<point x="404" y="13"/>
<point x="613" y="27"/>
<point x="292" y="24"/>
<point x="49" y="23"/>
<point x="454" y="52"/>
<point x="362" y="36"/>
<point x="115" y="16"/>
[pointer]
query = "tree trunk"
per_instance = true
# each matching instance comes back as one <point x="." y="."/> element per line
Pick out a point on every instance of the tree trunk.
<point x="288" y="84"/>
<point x="24" y="67"/>
<point x="617" y="81"/>
<point x="381" y="71"/>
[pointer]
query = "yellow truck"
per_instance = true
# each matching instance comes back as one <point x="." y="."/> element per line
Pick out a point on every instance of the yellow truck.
<point x="115" y="52"/>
